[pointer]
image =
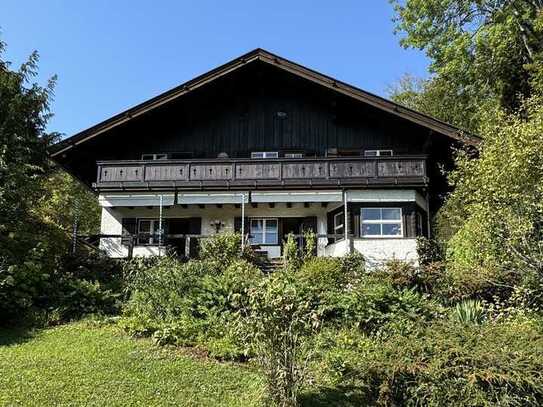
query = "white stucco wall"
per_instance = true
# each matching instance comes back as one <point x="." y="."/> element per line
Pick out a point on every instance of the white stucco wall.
<point x="378" y="251"/>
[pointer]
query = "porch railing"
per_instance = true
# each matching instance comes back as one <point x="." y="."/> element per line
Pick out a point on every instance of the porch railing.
<point x="243" y="173"/>
<point x="130" y="240"/>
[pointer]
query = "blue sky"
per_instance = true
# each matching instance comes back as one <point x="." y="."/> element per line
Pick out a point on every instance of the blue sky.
<point x="111" y="55"/>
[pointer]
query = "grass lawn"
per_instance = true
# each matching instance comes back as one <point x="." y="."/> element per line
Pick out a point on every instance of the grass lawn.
<point x="82" y="364"/>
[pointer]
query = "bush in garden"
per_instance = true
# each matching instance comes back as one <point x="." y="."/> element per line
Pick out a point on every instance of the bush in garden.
<point x="377" y="308"/>
<point x="354" y="265"/>
<point x="291" y="257"/>
<point x="448" y="364"/>
<point x="51" y="288"/>
<point x="429" y="250"/>
<point x="280" y="322"/>
<point x="224" y="248"/>
<point x="190" y="304"/>
<point x="322" y="274"/>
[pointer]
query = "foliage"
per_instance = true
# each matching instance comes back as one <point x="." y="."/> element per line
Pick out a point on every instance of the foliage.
<point x="493" y="211"/>
<point x="223" y="248"/>
<point x="94" y="364"/>
<point x="24" y="112"/>
<point x="279" y="322"/>
<point x="195" y="303"/>
<point x="443" y="364"/>
<point x="483" y="55"/>
<point x="469" y="312"/>
<point x="66" y="199"/>
<point x="429" y="250"/>
<point x="354" y="265"/>
<point x="310" y="245"/>
<point x="291" y="256"/>
<point x="66" y="290"/>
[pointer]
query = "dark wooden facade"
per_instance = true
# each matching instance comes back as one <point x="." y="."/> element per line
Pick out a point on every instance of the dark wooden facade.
<point x="260" y="102"/>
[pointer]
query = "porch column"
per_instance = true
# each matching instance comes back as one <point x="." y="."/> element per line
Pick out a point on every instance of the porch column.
<point x="242" y="221"/>
<point x="346" y="223"/>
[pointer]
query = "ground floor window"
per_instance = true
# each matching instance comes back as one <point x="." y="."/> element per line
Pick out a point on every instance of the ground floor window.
<point x="381" y="222"/>
<point x="148" y="232"/>
<point x="264" y="231"/>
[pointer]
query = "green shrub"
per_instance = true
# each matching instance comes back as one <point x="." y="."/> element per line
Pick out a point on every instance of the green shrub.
<point x="59" y="290"/>
<point x="353" y="265"/>
<point x="469" y="312"/>
<point x="191" y="304"/>
<point x="443" y="364"/>
<point x="224" y="248"/>
<point x="454" y="364"/>
<point x="430" y="278"/>
<point x="323" y="274"/>
<point x="280" y="322"/>
<point x="376" y="307"/>
<point x="429" y="250"/>
<point x="292" y="259"/>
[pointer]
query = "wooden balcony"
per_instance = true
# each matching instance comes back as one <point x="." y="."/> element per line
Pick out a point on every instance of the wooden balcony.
<point x="261" y="173"/>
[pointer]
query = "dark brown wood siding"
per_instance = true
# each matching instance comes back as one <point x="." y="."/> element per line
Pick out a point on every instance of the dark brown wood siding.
<point x="257" y="108"/>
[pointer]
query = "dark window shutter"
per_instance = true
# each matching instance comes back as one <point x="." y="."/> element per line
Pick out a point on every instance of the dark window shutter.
<point x="356" y="224"/>
<point x="129" y="226"/>
<point x="195" y="226"/>
<point x="237" y="225"/>
<point x="330" y="226"/>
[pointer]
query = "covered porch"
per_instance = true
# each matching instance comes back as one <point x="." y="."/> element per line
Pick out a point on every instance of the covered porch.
<point x="147" y="224"/>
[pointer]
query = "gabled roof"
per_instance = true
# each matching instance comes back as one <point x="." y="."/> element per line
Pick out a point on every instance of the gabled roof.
<point x="284" y="64"/>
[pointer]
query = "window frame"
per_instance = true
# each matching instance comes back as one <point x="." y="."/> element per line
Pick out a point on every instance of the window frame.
<point x="155" y="156"/>
<point x="341" y="225"/>
<point x="265" y="155"/>
<point x="264" y="231"/>
<point x="153" y="233"/>
<point x="381" y="222"/>
<point x="378" y="153"/>
<point x="294" y="155"/>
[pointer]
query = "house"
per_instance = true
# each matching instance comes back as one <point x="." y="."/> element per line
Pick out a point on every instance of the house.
<point x="266" y="147"/>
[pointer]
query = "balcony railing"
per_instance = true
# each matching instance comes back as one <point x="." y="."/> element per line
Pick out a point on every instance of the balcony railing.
<point x="254" y="173"/>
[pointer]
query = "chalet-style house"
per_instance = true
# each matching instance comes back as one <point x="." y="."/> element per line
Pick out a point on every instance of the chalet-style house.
<point x="266" y="147"/>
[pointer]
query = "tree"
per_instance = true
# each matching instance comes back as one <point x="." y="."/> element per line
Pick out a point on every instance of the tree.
<point x="496" y="206"/>
<point x="24" y="112"/>
<point x="483" y="54"/>
<point x="64" y="200"/>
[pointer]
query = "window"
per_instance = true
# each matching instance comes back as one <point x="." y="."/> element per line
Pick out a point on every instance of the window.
<point x="294" y="155"/>
<point x="381" y="222"/>
<point x="154" y="156"/>
<point x="338" y="224"/>
<point x="378" y="153"/>
<point x="264" y="231"/>
<point x="264" y="154"/>
<point x="148" y="232"/>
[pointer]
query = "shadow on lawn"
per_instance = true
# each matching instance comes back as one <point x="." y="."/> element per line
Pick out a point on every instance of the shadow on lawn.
<point x="339" y="396"/>
<point x="15" y="335"/>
